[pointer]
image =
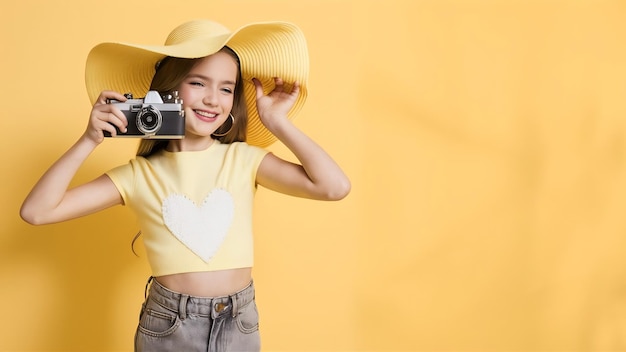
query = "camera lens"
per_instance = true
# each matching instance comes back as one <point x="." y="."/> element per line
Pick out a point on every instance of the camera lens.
<point x="149" y="120"/>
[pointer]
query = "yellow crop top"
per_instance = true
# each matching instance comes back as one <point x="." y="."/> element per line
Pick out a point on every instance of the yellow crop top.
<point x="194" y="208"/>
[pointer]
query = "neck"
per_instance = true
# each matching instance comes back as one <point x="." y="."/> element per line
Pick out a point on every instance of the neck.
<point x="189" y="144"/>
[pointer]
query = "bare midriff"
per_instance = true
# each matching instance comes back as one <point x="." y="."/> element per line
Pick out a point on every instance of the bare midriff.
<point x="208" y="283"/>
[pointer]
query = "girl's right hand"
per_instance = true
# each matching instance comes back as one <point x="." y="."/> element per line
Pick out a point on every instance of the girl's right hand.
<point x="105" y="117"/>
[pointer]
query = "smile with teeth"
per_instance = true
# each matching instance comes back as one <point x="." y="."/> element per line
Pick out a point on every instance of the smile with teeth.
<point x="205" y="114"/>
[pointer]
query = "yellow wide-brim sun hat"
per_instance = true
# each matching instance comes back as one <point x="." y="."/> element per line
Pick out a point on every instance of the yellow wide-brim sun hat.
<point x="266" y="50"/>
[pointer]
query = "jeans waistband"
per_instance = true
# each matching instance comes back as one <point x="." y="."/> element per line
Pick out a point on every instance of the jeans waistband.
<point x="184" y="304"/>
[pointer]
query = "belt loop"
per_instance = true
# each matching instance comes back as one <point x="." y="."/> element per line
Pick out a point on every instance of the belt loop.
<point x="214" y="312"/>
<point x="233" y="300"/>
<point x="182" y="306"/>
<point x="145" y="291"/>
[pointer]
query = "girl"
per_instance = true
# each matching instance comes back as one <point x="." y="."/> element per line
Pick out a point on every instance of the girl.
<point x="193" y="196"/>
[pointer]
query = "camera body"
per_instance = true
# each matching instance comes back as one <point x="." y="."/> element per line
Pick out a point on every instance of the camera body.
<point x="153" y="117"/>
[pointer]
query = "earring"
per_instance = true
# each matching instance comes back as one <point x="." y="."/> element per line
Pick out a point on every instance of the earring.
<point x="232" y="123"/>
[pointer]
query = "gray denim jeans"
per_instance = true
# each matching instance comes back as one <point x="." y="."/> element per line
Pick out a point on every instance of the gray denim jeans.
<point x="171" y="321"/>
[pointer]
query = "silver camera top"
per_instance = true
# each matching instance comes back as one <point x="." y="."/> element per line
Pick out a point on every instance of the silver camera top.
<point x="172" y="98"/>
<point x="153" y="97"/>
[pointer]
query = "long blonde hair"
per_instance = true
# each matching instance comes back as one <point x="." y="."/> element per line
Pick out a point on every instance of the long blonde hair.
<point x="170" y="73"/>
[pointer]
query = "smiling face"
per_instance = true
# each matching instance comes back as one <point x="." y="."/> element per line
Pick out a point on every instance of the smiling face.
<point x="193" y="77"/>
<point x="208" y="94"/>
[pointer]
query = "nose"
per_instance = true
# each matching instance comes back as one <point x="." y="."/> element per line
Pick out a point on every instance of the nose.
<point x="210" y="97"/>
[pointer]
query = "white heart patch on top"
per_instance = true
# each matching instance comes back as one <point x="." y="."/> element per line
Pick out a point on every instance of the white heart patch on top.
<point x="201" y="228"/>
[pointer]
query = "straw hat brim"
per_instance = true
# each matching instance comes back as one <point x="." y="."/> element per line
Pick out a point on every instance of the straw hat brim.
<point x="266" y="50"/>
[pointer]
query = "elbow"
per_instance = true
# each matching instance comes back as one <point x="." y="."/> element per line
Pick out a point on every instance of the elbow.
<point x="30" y="216"/>
<point x="339" y="191"/>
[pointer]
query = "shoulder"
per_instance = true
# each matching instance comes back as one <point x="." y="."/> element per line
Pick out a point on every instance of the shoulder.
<point x="244" y="155"/>
<point x="243" y="148"/>
<point x="131" y="166"/>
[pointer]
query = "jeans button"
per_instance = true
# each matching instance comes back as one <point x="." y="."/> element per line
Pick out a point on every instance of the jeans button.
<point x="219" y="307"/>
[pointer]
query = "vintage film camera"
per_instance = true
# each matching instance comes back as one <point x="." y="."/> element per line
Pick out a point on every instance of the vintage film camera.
<point x="155" y="116"/>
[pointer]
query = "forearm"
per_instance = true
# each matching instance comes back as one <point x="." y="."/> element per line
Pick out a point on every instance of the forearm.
<point x="317" y="176"/>
<point x="322" y="170"/>
<point x="49" y="191"/>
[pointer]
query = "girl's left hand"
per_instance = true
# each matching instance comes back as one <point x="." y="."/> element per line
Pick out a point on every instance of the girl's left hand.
<point x="275" y="105"/>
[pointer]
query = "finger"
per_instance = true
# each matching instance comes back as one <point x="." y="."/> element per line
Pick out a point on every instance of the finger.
<point x="109" y="127"/>
<point x="109" y="115"/>
<point x="118" y="119"/>
<point x="107" y="95"/>
<point x="279" y="84"/>
<point x="258" y="87"/>
<point x="295" y="90"/>
<point x="97" y="129"/>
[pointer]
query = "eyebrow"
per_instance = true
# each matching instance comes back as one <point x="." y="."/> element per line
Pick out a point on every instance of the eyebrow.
<point x="196" y="75"/>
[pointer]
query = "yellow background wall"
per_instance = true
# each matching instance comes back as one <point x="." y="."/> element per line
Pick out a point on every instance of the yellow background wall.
<point x="485" y="140"/>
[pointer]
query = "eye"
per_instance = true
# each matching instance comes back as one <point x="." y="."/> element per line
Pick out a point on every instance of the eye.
<point x="196" y="83"/>
<point x="227" y="90"/>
